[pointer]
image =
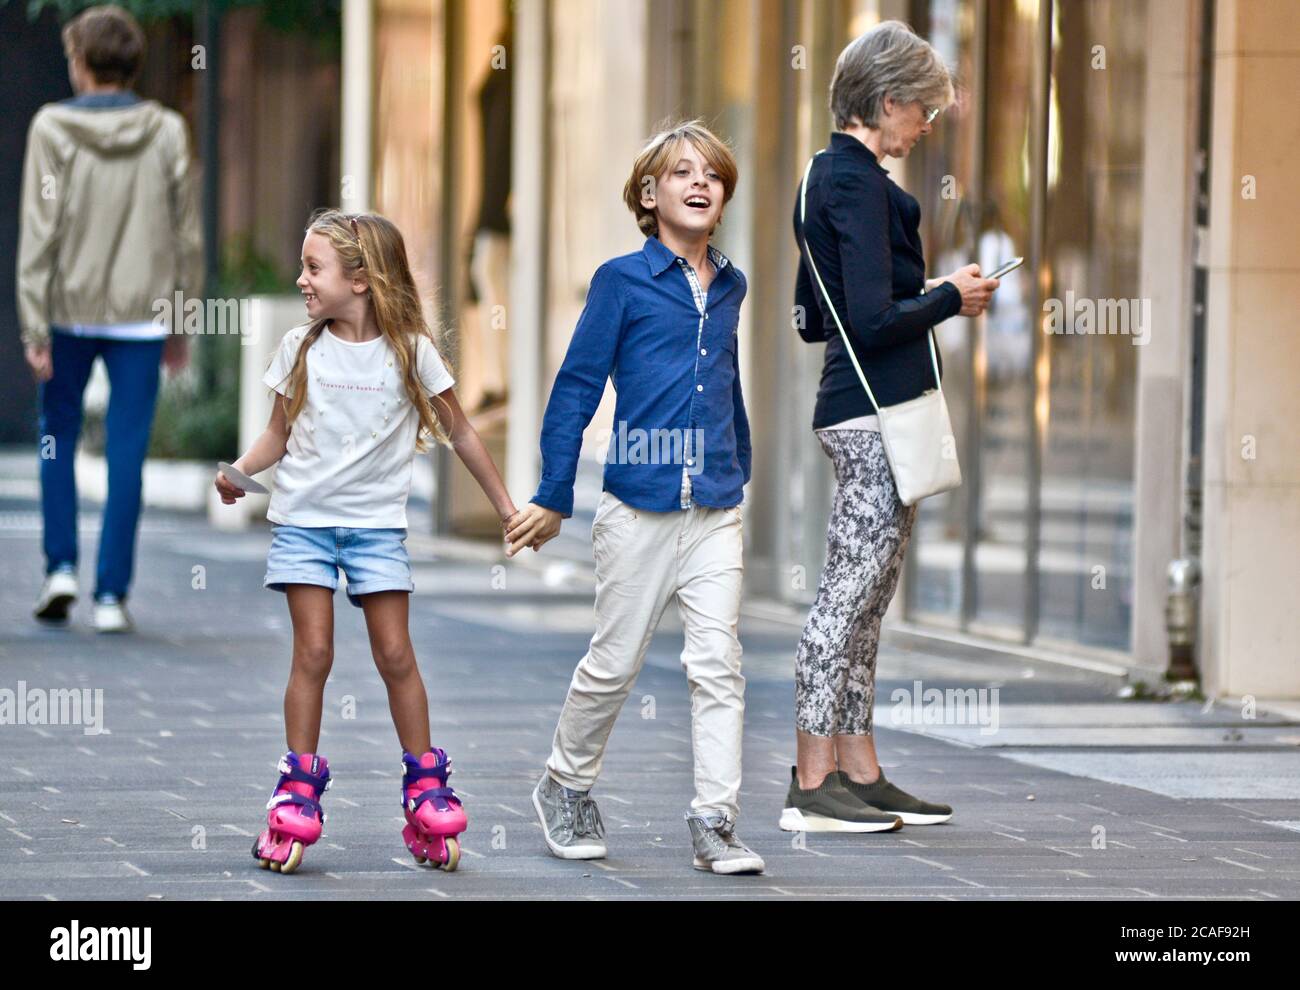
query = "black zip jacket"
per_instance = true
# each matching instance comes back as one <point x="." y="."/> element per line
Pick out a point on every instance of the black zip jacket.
<point x="863" y="231"/>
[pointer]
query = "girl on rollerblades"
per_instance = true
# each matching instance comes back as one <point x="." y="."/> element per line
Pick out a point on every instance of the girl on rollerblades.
<point x="359" y="389"/>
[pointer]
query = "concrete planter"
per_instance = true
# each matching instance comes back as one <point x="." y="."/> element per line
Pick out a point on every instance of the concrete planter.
<point x="178" y="485"/>
<point x="269" y="318"/>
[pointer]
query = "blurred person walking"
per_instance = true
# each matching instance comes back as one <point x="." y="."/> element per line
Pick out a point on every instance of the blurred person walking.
<point x="109" y="227"/>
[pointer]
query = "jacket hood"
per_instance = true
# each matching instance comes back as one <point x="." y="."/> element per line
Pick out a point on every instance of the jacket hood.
<point x="110" y="128"/>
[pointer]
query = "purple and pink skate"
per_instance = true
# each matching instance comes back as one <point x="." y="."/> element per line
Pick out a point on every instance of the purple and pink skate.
<point x="434" y="816"/>
<point x="294" y="818"/>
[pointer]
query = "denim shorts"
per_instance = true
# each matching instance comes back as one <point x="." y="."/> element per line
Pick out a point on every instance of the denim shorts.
<point x="372" y="559"/>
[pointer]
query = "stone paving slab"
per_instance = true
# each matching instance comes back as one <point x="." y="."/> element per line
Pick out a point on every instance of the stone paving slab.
<point x="165" y="803"/>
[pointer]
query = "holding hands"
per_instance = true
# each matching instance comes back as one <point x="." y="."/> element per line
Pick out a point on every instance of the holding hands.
<point x="531" y="526"/>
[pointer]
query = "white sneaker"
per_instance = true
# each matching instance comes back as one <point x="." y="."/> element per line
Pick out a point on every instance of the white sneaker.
<point x="111" y="617"/>
<point x="57" y="595"/>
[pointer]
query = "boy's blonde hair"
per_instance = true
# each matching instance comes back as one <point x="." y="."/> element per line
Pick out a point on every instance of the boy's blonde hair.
<point x="371" y="245"/>
<point x="661" y="152"/>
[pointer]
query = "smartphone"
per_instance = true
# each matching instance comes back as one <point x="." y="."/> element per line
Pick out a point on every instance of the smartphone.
<point x="1007" y="266"/>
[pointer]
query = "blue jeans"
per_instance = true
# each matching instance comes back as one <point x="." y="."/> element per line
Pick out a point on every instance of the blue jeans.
<point x="133" y="376"/>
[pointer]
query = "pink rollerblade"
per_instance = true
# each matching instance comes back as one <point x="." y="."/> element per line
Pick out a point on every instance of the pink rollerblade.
<point x="434" y="816"/>
<point x="294" y="818"/>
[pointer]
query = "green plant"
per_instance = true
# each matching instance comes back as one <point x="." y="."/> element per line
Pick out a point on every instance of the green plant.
<point x="195" y="422"/>
<point x="245" y="271"/>
<point x="318" y="19"/>
<point x="198" y="414"/>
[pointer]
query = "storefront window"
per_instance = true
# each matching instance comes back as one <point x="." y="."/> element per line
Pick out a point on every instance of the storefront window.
<point x="1005" y="375"/>
<point x="1071" y="505"/>
<point x="408" y="129"/>
<point x="944" y="179"/>
<point x="1091" y="254"/>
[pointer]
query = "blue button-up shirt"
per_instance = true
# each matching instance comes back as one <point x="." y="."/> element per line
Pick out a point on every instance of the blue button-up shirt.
<point x="680" y="434"/>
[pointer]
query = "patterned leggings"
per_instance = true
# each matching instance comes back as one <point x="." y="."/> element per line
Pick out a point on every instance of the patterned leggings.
<point x="835" y="666"/>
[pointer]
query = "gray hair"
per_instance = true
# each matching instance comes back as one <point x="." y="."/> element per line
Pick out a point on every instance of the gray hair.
<point x="889" y="60"/>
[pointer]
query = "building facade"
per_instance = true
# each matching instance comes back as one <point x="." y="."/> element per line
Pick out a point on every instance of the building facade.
<point x="1122" y="405"/>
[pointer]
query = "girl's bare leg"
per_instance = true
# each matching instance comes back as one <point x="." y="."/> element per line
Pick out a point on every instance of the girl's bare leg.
<point x="311" y="608"/>
<point x="390" y="644"/>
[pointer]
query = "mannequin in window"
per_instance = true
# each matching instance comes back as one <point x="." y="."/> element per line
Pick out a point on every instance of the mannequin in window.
<point x="490" y="261"/>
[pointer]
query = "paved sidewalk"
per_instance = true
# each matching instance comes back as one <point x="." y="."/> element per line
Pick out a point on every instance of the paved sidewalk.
<point x="1191" y="802"/>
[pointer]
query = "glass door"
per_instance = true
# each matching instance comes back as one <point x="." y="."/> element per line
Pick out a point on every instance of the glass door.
<point x="1044" y="162"/>
<point x="1091" y="252"/>
<point x="1001" y="521"/>
<point x="945" y="178"/>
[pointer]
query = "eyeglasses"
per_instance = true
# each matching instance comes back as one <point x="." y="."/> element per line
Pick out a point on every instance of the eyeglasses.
<point x="929" y="112"/>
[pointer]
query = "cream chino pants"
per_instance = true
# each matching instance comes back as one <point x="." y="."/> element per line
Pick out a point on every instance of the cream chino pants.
<point x="643" y="561"/>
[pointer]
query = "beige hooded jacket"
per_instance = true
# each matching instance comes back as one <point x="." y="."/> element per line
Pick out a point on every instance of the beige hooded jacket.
<point x="109" y="217"/>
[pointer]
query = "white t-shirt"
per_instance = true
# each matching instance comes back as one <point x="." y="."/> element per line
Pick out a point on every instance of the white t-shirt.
<point x="349" y="455"/>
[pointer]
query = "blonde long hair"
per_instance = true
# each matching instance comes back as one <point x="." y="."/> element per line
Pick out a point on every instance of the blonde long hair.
<point x="371" y="244"/>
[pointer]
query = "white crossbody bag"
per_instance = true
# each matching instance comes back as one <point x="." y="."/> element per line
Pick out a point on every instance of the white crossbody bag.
<point x="917" y="434"/>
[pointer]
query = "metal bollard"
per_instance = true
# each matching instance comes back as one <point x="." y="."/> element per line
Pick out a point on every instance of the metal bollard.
<point x="1183" y="588"/>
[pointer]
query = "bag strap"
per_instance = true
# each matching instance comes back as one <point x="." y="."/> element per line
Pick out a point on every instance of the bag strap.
<point x="803" y="223"/>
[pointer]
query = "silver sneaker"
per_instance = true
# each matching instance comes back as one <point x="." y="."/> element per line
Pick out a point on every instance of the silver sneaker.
<point x="57" y="595"/>
<point x="716" y="847"/>
<point x="570" y="820"/>
<point x="111" y="616"/>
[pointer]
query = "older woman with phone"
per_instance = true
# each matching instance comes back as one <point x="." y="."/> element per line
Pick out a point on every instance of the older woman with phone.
<point x="862" y="279"/>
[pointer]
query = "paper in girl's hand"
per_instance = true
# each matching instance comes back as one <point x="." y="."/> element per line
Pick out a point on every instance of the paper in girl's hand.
<point x="240" y="480"/>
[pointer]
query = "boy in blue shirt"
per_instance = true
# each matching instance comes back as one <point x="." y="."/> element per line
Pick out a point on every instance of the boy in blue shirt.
<point x="661" y="322"/>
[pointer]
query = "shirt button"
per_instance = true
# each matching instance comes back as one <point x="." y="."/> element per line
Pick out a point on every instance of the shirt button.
<point x="704" y="350"/>
<point x="373" y="434"/>
<point x="699" y="388"/>
<point x="690" y="462"/>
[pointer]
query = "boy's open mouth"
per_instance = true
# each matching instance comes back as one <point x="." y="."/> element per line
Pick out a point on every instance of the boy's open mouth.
<point x="698" y="202"/>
